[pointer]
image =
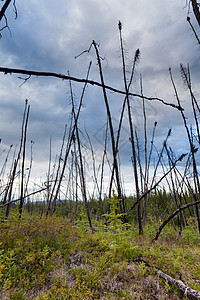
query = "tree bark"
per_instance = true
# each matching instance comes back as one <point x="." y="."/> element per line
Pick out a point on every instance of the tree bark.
<point x="114" y="152"/>
<point x="187" y="291"/>
<point x="196" y="10"/>
<point x="4" y="7"/>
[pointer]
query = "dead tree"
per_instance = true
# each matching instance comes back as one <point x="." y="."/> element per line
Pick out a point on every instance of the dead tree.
<point x="193" y="151"/>
<point x="71" y="138"/>
<point x="195" y="7"/>
<point x="82" y="177"/>
<point x="4" y="7"/>
<point x="131" y="133"/>
<point x="21" y="203"/>
<point x="114" y="152"/>
<point x="15" y="164"/>
<point x="3" y="14"/>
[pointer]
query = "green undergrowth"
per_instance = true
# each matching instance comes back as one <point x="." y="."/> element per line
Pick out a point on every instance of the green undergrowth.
<point x="53" y="259"/>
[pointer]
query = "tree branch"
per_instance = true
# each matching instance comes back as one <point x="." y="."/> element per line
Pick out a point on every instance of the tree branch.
<point x="91" y="82"/>
<point x="4" y="7"/>
<point x="33" y="193"/>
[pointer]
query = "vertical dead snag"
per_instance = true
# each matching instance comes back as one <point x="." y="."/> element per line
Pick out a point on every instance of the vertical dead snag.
<point x="131" y="133"/>
<point x="145" y="187"/>
<point x="185" y="73"/>
<point x="192" y="150"/>
<point x="21" y="203"/>
<point x="70" y="140"/>
<point x="114" y="152"/>
<point x="82" y="176"/>
<point x="51" y="202"/>
<point x="8" y="194"/>
<point x="196" y="11"/>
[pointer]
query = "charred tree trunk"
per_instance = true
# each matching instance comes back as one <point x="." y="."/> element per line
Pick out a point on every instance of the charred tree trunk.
<point x="3" y="10"/>
<point x="196" y="11"/>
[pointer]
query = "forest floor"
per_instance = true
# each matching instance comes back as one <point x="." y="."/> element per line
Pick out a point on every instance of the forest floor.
<point x="54" y="259"/>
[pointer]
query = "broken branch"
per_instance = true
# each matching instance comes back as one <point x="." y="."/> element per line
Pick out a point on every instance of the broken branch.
<point x="91" y="82"/>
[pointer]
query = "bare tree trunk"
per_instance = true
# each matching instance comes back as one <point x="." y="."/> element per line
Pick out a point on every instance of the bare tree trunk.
<point x="166" y="208"/>
<point x="193" y="150"/>
<point x="93" y="164"/>
<point x="186" y="79"/>
<point x="6" y="190"/>
<point x="21" y="203"/>
<point x="82" y="176"/>
<point x="5" y="163"/>
<point x="16" y="162"/>
<point x="196" y="10"/>
<point x="71" y="138"/>
<point x="145" y="156"/>
<point x="136" y="58"/>
<point x="3" y="10"/>
<point x="139" y="162"/>
<point x="156" y="184"/>
<point x="76" y="181"/>
<point x="101" y="206"/>
<point x="132" y="135"/>
<point x="114" y="152"/>
<point x="52" y="200"/>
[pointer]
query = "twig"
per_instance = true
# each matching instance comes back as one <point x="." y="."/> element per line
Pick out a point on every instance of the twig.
<point x="15" y="10"/>
<point x="71" y="137"/>
<point x="25" y="80"/>
<point x="132" y="138"/>
<point x="194" y="31"/>
<point x="192" y="149"/>
<point x="6" y="26"/>
<point x="112" y="135"/>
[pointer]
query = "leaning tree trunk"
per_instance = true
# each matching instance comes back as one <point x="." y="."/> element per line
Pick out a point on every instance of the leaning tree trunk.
<point x="3" y="10"/>
<point x="196" y="10"/>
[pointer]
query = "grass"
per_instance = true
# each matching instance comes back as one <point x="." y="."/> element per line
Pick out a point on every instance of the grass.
<point x="52" y="259"/>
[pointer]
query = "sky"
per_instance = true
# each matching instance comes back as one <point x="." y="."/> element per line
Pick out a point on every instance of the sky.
<point x="48" y="35"/>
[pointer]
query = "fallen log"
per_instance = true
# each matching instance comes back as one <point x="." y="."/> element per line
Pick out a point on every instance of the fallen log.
<point x="187" y="291"/>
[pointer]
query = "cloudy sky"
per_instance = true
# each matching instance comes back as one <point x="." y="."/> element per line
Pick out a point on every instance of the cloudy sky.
<point x="47" y="35"/>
